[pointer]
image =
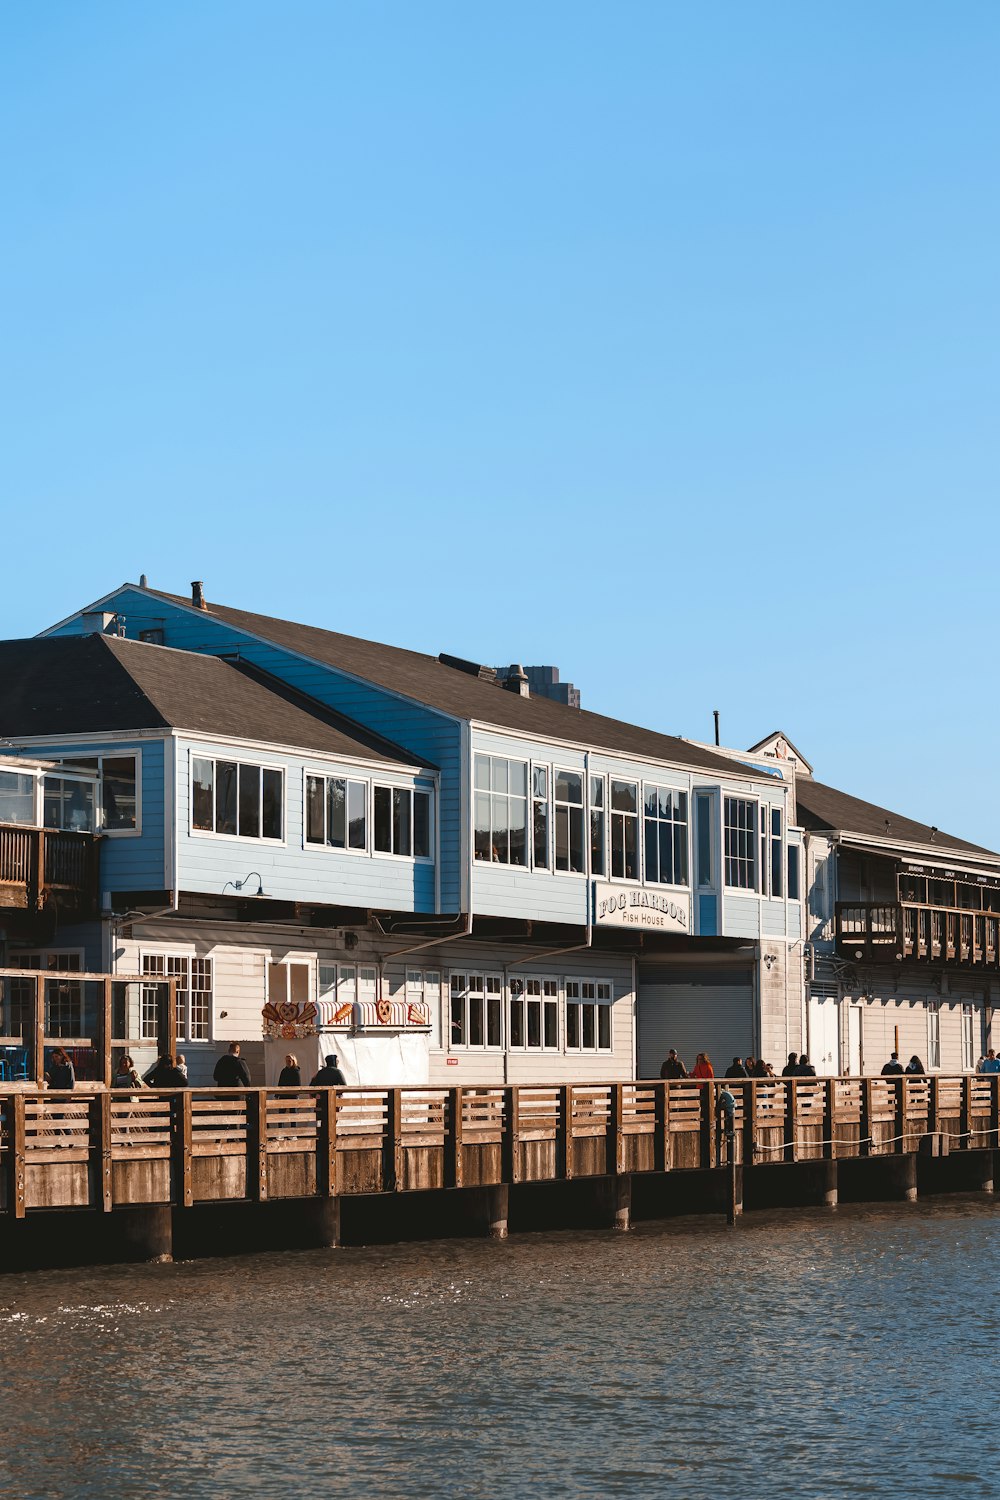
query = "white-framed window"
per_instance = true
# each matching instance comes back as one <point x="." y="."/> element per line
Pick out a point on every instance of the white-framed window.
<point x="64" y="999"/>
<point x="588" y="1015"/>
<point x="666" y="827"/>
<point x="933" y="1034"/>
<point x="533" y="1014"/>
<point x="474" y="1010"/>
<point x="337" y="813"/>
<point x="194" y="994"/>
<point x="501" y="810"/>
<point x="237" y="799"/>
<point x="704" y="813"/>
<point x="423" y="990"/>
<point x="540" y="817"/>
<point x="402" y="820"/>
<point x="598" y="826"/>
<point x="571" y="848"/>
<point x="793" y="872"/>
<point x="777" y="852"/>
<point x="970" y="1039"/>
<point x="288" y="982"/>
<point x="739" y="827"/>
<point x="624" y="830"/>
<point x="17" y="798"/>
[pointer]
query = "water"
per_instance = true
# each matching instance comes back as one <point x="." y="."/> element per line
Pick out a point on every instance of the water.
<point x="802" y="1354"/>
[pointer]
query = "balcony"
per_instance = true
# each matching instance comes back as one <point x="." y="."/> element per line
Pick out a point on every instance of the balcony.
<point x="42" y="868"/>
<point x="881" y="932"/>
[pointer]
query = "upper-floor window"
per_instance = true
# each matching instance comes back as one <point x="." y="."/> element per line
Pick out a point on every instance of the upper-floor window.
<point x="793" y="872"/>
<point x="624" y="830"/>
<point x="240" y="800"/>
<point x="704" y="804"/>
<point x="569" y="820"/>
<point x="598" y="836"/>
<point x="69" y="802"/>
<point x="501" y="810"/>
<point x="17" y="798"/>
<point x="116" y="806"/>
<point x="666" y="835"/>
<point x="540" y="817"/>
<point x="740" y="843"/>
<point x="777" y="853"/>
<point x="337" y="812"/>
<point x="402" y="821"/>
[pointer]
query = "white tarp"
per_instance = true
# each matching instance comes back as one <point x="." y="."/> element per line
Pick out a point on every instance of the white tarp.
<point x="396" y="1059"/>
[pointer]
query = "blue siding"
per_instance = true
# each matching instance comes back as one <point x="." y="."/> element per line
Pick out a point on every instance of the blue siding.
<point x="427" y="735"/>
<point x="291" y="870"/>
<point x="128" y="862"/>
<point x="708" y="916"/>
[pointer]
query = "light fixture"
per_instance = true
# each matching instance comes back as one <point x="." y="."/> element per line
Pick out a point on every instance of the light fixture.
<point x="238" y="885"/>
<point x="770" y="959"/>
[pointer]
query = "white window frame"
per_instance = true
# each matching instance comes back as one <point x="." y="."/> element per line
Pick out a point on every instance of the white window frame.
<point x="602" y="811"/>
<point x="44" y="957"/>
<point x="413" y="791"/>
<point x="187" y="957"/>
<point x="542" y="768"/>
<point x="534" y="989"/>
<point x="476" y="792"/>
<point x="970" y="1046"/>
<point x="487" y="976"/>
<point x="602" y="998"/>
<point x="933" y="1034"/>
<point x="238" y="838"/>
<point x="583" y="807"/>
<point x="673" y="823"/>
<point x="425" y="987"/>
<point x="751" y="832"/>
<point x="309" y="845"/>
<point x="126" y="753"/>
<point x="612" y="814"/>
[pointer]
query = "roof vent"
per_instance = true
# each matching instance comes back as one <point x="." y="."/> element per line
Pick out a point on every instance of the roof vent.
<point x="98" y="622"/>
<point x="516" y="681"/>
<point x="198" y="594"/>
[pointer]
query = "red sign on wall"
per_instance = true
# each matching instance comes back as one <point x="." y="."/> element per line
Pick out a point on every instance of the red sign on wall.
<point x="452" y="1062"/>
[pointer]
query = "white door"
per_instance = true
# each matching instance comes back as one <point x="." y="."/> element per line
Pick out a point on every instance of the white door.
<point x="854" y="1056"/>
<point x="824" y="1035"/>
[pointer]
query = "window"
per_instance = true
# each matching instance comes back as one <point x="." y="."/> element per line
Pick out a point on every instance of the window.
<point x="64" y="998"/>
<point x="793" y="872"/>
<point x="534" y="1014"/>
<point x="740" y="823"/>
<point x="194" y="995"/>
<point x="570" y="852"/>
<point x="402" y="821"/>
<point x="119" y="793"/>
<point x="970" y="1043"/>
<point x="288" y="983"/>
<point x="666" y="835"/>
<point x="597" y="833"/>
<point x="337" y="812"/>
<point x="540" y="816"/>
<point x="69" y="803"/>
<point x="239" y="800"/>
<point x="17" y="798"/>
<point x="624" y="830"/>
<point x="777" y="852"/>
<point x="423" y="993"/>
<point x="475" y="1010"/>
<point x="933" y="1035"/>
<point x="588" y="1015"/>
<point x="501" y="812"/>
<point x="704" y="808"/>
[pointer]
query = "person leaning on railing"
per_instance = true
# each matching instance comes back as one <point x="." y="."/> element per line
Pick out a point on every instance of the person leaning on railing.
<point x="329" y="1075"/>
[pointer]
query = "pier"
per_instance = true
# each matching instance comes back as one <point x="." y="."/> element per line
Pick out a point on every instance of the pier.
<point x="144" y="1162"/>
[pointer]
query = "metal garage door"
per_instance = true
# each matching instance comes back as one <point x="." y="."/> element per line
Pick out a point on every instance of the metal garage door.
<point x="695" y="1010"/>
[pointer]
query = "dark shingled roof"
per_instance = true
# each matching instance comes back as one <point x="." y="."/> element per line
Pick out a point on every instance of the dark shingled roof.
<point x="95" y="683"/>
<point x="824" y="808"/>
<point x="426" y="680"/>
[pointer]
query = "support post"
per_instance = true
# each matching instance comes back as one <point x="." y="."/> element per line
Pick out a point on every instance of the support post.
<point x="829" y="1189"/>
<point x="14" y="1110"/>
<point x="564" y="1129"/>
<point x="146" y="1233"/>
<point x="734" y="1191"/>
<point x="791" y="1119"/>
<point x="38" y="1031"/>
<point x="510" y="1148"/>
<point x="965" y="1115"/>
<point x="181" y="1143"/>
<point x="326" y="1162"/>
<point x="256" y="1170"/>
<point x="497" y="1210"/>
<point x="906" y="1177"/>
<point x="660" y="1107"/>
<point x="392" y="1153"/>
<point x="107" y="1027"/>
<point x="454" y="1152"/>
<point x="99" y="1110"/>
<point x="708" y="1131"/>
<point x="866" y="1145"/>
<point x="326" y="1220"/>
<point x="623" y="1200"/>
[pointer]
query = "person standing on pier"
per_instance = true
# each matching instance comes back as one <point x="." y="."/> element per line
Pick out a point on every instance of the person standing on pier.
<point x="60" y="1074"/>
<point x="703" y="1067"/>
<point x="893" y="1066"/>
<point x="231" y="1072"/>
<point x="673" y="1067"/>
<point x="290" y="1076"/>
<point x="329" y="1075"/>
<point x="737" y="1069"/>
<point x="791" y="1068"/>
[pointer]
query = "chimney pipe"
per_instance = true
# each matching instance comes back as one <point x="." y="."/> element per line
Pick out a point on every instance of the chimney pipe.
<point x="516" y="681"/>
<point x="198" y="594"/>
<point x="715" y="715"/>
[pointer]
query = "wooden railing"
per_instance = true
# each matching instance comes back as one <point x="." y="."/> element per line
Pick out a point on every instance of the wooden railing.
<point x="39" y="863"/>
<point x="873" y="931"/>
<point x="107" y="1149"/>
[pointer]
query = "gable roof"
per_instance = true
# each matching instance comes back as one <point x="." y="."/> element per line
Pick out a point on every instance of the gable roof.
<point x="426" y="680"/>
<point x="823" y="808"/>
<point x="779" y="734"/>
<point x="94" y="684"/>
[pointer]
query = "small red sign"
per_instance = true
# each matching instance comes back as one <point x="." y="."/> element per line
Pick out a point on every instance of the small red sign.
<point x="452" y="1062"/>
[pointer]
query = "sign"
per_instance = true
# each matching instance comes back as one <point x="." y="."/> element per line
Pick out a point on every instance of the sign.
<point x="452" y="1062"/>
<point x="639" y="906"/>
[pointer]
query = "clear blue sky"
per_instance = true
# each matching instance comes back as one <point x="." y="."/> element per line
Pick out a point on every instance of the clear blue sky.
<point x="657" y="341"/>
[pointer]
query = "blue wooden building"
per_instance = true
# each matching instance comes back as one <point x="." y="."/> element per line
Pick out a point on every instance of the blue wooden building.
<point x="466" y="881"/>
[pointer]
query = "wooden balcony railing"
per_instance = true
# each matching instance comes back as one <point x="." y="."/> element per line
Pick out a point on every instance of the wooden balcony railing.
<point x="114" y="1148"/>
<point x="39" y="865"/>
<point x="874" y="931"/>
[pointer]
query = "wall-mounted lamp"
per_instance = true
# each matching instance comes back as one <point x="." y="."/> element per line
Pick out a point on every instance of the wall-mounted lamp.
<point x="350" y="940"/>
<point x="770" y="959"/>
<point x="238" y="885"/>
